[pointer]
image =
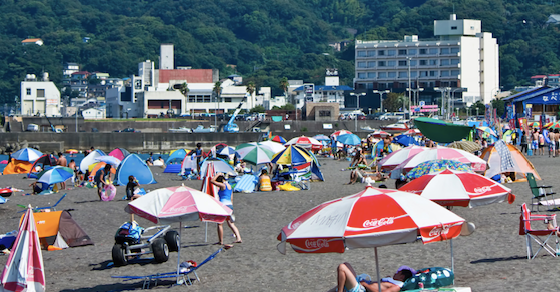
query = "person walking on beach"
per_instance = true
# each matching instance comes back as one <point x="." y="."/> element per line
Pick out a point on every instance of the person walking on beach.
<point x="62" y="162"/>
<point x="102" y="176"/>
<point x="198" y="155"/>
<point x="523" y="142"/>
<point x="225" y="193"/>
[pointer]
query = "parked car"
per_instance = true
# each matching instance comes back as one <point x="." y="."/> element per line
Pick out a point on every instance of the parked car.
<point x="128" y="130"/>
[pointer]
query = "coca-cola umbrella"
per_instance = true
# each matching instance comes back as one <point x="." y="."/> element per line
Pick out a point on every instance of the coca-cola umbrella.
<point x="371" y="218"/>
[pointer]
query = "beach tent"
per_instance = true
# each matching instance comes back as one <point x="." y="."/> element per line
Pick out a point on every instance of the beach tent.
<point x="119" y="153"/>
<point x="176" y="156"/>
<point x="17" y="166"/>
<point x="134" y="165"/>
<point x="316" y="173"/>
<point x="58" y="228"/>
<point x="96" y="167"/>
<point x="188" y="163"/>
<point x="44" y="162"/>
<point x="90" y="159"/>
<point x="510" y="160"/>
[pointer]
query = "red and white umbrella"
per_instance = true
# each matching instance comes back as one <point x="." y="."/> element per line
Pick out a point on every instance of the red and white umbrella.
<point x="371" y="218"/>
<point x="477" y="163"/>
<point x="305" y="142"/>
<point x="412" y="132"/>
<point x="178" y="204"/>
<point x="24" y="270"/>
<point x="340" y="132"/>
<point x="392" y="160"/>
<point x="458" y="188"/>
<point x="380" y="134"/>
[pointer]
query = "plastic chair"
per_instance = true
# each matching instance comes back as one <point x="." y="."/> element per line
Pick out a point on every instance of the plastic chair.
<point x="540" y="236"/>
<point x="148" y="279"/>
<point x="539" y="192"/>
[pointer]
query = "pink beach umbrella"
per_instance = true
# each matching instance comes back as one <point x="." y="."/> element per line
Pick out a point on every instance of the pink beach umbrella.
<point x="371" y="218"/>
<point x="178" y="204"/>
<point x="392" y="160"/>
<point x="24" y="270"/>
<point x="458" y="188"/>
<point x="477" y="163"/>
<point x="305" y="142"/>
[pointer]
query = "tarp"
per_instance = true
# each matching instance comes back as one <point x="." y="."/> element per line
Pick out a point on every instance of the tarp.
<point x="246" y="184"/>
<point x="440" y="131"/>
<point x="134" y="165"/>
<point x="90" y="159"/>
<point x="119" y="153"/>
<point x="17" y="166"/>
<point x="519" y="163"/>
<point x="52" y="224"/>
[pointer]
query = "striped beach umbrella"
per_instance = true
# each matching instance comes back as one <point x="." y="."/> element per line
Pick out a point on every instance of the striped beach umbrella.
<point x="27" y="154"/>
<point x="254" y="153"/>
<point x="278" y="139"/>
<point x="305" y="142"/>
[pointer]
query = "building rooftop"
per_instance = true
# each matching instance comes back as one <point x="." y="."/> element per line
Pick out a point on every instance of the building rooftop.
<point x="190" y="75"/>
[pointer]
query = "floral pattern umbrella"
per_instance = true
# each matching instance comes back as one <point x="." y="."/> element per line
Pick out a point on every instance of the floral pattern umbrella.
<point x="437" y="165"/>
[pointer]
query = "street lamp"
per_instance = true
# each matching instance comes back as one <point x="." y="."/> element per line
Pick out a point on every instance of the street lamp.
<point x="443" y="90"/>
<point x="76" y="113"/>
<point x="381" y="97"/>
<point x="416" y="95"/>
<point x="409" y="87"/>
<point x="358" y="106"/>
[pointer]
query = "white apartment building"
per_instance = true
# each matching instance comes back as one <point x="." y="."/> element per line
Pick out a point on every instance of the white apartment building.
<point x="463" y="57"/>
<point x="39" y="97"/>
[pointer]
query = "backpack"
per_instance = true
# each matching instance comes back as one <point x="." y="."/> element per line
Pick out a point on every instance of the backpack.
<point x="129" y="232"/>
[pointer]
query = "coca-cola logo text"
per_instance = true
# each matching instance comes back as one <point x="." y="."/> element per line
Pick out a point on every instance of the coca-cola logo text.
<point x="379" y="222"/>
<point x="316" y="243"/>
<point x="436" y="231"/>
<point x="482" y="189"/>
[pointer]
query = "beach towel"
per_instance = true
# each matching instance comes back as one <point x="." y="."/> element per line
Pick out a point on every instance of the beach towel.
<point x="506" y="160"/>
<point x="246" y="184"/>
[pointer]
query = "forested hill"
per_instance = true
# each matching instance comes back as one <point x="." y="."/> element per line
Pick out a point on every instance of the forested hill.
<point x="265" y="39"/>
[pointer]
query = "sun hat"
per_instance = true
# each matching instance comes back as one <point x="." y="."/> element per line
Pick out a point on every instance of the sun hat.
<point x="401" y="268"/>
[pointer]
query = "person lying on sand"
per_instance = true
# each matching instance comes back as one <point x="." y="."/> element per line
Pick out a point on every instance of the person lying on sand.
<point x="346" y="280"/>
<point x="358" y="175"/>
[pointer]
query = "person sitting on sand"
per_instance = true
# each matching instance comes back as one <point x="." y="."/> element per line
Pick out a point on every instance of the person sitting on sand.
<point x="346" y="280"/>
<point x="358" y="175"/>
<point x="36" y="188"/>
<point x="359" y="158"/>
<point x="131" y="186"/>
<point x="264" y="181"/>
<point x="225" y="193"/>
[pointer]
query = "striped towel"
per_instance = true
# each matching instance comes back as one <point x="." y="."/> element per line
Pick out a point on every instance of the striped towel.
<point x="506" y="161"/>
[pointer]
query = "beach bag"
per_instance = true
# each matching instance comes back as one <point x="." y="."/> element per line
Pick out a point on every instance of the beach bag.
<point x="435" y="277"/>
<point x="129" y="232"/>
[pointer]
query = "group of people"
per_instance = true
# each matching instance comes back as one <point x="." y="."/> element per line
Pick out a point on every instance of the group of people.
<point x="538" y="140"/>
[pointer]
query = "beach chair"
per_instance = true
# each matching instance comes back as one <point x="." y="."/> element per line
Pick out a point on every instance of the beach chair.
<point x="540" y="193"/>
<point x="147" y="280"/>
<point x="541" y="236"/>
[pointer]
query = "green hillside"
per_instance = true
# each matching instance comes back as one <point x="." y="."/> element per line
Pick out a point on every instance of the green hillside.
<point x="266" y="40"/>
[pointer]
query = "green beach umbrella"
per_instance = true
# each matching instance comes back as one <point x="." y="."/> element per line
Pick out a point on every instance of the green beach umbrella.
<point x="254" y="153"/>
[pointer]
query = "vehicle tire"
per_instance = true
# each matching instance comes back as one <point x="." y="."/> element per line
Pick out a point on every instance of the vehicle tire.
<point x="160" y="250"/>
<point x="118" y="255"/>
<point x="173" y="240"/>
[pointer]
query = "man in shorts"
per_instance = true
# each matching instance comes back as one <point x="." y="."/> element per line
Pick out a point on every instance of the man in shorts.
<point x="347" y="280"/>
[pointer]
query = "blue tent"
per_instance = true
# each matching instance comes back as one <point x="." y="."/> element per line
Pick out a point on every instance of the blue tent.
<point x="134" y="165"/>
<point x="177" y="156"/>
<point x="316" y="173"/>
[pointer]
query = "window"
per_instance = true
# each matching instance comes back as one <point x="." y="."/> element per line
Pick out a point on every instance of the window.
<point x="433" y="51"/>
<point x="444" y="73"/>
<point x="432" y="62"/>
<point x="361" y="64"/>
<point x="138" y="84"/>
<point x="454" y="61"/>
<point x="423" y="62"/>
<point x="412" y="62"/>
<point x="423" y="51"/>
<point x="361" y="75"/>
<point x="423" y="73"/>
<point x="413" y="74"/>
<point x="28" y="91"/>
<point x="361" y="53"/>
<point x="444" y="51"/>
<point x="381" y="63"/>
<point x="324" y="113"/>
<point x="453" y="28"/>
<point x="382" y="74"/>
<point x="455" y="50"/>
<point x="402" y="63"/>
<point x="371" y="75"/>
<point x="371" y="64"/>
<point x="444" y="62"/>
<point x="411" y="52"/>
<point x="402" y="74"/>
<point x="40" y="93"/>
<point x="381" y="53"/>
<point x="392" y="74"/>
<point x="371" y="53"/>
<point x="402" y="52"/>
<point x="227" y="99"/>
<point x="391" y="52"/>
<point x="455" y="73"/>
<point x="433" y="73"/>
<point x="391" y="63"/>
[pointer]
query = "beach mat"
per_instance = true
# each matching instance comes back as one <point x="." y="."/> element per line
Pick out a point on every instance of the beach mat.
<point x="246" y="184"/>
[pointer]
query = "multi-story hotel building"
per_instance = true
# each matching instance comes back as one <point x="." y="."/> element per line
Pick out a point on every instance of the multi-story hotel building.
<point x="462" y="59"/>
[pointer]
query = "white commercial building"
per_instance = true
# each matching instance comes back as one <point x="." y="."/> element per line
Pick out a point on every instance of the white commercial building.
<point x="463" y="59"/>
<point x="39" y="97"/>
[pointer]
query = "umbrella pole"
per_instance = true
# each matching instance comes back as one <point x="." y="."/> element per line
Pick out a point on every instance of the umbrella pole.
<point x="206" y="232"/>
<point x="179" y="252"/>
<point x="377" y="269"/>
<point x="452" y="261"/>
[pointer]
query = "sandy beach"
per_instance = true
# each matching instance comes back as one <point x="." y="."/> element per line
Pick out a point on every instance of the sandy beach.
<point x="492" y="258"/>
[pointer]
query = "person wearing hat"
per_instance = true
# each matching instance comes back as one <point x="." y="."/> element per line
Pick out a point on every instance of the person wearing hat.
<point x="347" y="280"/>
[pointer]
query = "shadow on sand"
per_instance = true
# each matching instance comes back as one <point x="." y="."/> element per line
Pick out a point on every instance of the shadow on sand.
<point x="493" y="260"/>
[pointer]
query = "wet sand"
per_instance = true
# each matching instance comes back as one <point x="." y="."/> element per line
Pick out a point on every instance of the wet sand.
<point x="492" y="258"/>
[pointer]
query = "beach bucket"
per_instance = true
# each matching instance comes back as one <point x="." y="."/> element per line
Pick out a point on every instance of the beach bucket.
<point x="529" y="152"/>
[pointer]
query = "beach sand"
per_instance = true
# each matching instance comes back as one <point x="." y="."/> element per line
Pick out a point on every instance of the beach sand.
<point x="492" y="258"/>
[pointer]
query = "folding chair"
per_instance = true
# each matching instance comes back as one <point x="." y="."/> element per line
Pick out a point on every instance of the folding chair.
<point x="539" y="192"/>
<point x="540" y="236"/>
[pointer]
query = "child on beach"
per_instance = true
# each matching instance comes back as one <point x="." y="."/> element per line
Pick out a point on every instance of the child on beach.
<point x="131" y="187"/>
<point x="225" y="193"/>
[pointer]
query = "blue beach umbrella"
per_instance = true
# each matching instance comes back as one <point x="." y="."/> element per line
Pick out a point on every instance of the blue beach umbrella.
<point x="55" y="175"/>
<point x="405" y="140"/>
<point x="322" y="137"/>
<point x="27" y="154"/>
<point x="349" y="139"/>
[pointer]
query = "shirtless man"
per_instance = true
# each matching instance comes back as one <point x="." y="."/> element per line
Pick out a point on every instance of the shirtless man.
<point x="535" y="141"/>
<point x="346" y="277"/>
<point x="556" y="142"/>
<point x="62" y="162"/>
<point x="72" y="165"/>
<point x="551" y="145"/>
